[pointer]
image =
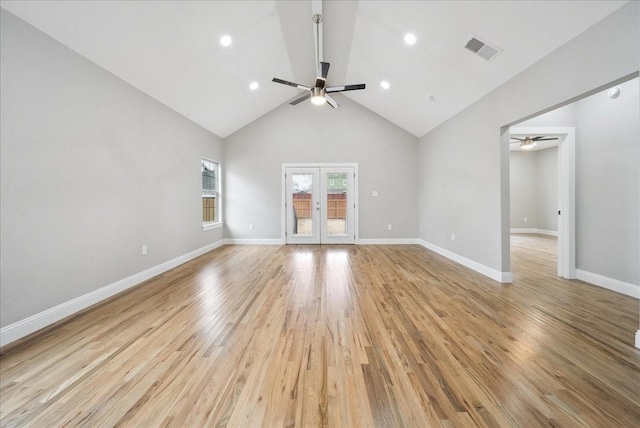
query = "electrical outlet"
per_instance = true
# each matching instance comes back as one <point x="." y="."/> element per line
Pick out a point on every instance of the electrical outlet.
<point x="389" y="226"/>
<point x="250" y="226"/>
<point x="453" y="236"/>
<point x="525" y="219"/>
<point x="374" y="193"/>
<point x="144" y="250"/>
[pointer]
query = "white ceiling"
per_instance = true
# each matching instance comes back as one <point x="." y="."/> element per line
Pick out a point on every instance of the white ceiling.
<point x="170" y="50"/>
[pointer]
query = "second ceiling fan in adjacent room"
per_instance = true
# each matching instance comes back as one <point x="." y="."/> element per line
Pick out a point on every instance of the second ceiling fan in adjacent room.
<point x="528" y="143"/>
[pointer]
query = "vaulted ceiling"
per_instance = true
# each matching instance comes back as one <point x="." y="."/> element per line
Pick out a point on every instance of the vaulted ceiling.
<point x="171" y="50"/>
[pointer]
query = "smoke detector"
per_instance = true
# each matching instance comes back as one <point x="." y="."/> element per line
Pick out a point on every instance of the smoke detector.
<point x="614" y="92"/>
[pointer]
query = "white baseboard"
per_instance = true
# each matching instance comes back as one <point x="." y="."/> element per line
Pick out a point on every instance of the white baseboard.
<point x="523" y="230"/>
<point x="504" y="277"/>
<point x="536" y="231"/>
<point x="253" y="242"/>
<point x="609" y="283"/>
<point x="407" y="241"/>
<point x="547" y="232"/>
<point x="398" y="241"/>
<point x="638" y="339"/>
<point x="45" y="318"/>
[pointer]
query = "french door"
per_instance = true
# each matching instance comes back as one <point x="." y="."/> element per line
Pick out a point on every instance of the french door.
<point x="320" y="205"/>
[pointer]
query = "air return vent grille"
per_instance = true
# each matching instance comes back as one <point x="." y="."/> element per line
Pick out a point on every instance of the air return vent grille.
<point x="482" y="48"/>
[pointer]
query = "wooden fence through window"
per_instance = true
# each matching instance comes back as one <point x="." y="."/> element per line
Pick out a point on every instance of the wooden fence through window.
<point x="208" y="210"/>
<point x="336" y="205"/>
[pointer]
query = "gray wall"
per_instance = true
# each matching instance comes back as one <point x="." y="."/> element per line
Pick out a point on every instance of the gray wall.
<point x="563" y="116"/>
<point x="464" y="163"/>
<point x="546" y="203"/>
<point x="534" y="189"/>
<point x="607" y="189"/>
<point x="91" y="170"/>
<point x="547" y="189"/>
<point x="524" y="190"/>
<point x="386" y="154"/>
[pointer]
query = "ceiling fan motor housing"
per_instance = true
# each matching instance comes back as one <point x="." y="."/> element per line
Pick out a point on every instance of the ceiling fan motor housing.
<point x="319" y="92"/>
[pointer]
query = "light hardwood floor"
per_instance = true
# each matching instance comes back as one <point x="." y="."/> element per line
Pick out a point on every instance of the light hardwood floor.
<point x="338" y="336"/>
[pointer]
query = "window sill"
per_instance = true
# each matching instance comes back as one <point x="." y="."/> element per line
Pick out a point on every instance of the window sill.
<point x="210" y="226"/>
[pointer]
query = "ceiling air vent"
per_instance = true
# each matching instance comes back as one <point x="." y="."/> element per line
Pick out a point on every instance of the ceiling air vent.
<point x="482" y="49"/>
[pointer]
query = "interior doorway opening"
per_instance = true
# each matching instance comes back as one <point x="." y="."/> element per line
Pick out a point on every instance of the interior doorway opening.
<point x="543" y="201"/>
<point x="603" y="203"/>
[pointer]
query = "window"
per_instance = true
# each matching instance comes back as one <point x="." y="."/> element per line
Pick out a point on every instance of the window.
<point x="210" y="194"/>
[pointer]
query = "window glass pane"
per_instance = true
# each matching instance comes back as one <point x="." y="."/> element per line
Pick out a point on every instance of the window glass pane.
<point x="302" y="200"/>
<point x="209" y="170"/>
<point x="209" y="175"/>
<point x="336" y="204"/>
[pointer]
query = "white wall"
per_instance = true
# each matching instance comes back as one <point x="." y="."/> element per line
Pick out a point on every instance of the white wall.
<point x="464" y="163"/>
<point x="386" y="154"/>
<point x="91" y="170"/>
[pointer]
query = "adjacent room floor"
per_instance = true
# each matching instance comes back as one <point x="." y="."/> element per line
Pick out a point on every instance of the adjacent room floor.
<point x="337" y="336"/>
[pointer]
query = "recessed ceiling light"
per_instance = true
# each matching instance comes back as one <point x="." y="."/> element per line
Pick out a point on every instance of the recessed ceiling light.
<point x="410" y="39"/>
<point x="253" y="86"/>
<point x="384" y="84"/>
<point x="225" y="40"/>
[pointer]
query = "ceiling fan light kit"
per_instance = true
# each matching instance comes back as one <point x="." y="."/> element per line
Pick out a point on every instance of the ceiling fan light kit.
<point x="319" y="92"/>
<point x="318" y="96"/>
<point x="528" y="143"/>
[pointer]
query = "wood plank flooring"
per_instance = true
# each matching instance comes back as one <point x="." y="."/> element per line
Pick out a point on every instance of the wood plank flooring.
<point x="336" y="336"/>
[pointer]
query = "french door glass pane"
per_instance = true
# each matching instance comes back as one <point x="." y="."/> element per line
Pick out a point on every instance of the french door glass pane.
<point x="302" y="204"/>
<point x="336" y="204"/>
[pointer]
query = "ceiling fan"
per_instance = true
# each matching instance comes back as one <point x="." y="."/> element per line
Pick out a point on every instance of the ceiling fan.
<point x="527" y="143"/>
<point x="319" y="92"/>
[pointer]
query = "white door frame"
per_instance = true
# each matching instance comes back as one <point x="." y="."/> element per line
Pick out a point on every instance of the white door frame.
<point x="566" y="194"/>
<point x="316" y="192"/>
<point x="349" y="237"/>
<point x="283" y="211"/>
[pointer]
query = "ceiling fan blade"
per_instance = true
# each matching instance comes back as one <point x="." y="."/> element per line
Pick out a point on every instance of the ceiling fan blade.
<point x="331" y="101"/>
<point x="324" y="69"/>
<point x="301" y="99"/>
<point x="345" y="88"/>
<point x="295" y="85"/>
<point x="516" y="138"/>
<point x="544" y="139"/>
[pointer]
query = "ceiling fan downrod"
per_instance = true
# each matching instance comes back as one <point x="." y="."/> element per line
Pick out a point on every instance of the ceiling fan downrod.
<point x="319" y="92"/>
<point x="317" y="20"/>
